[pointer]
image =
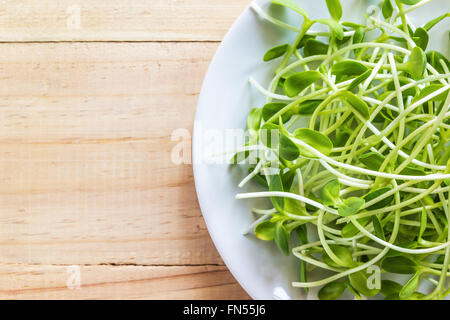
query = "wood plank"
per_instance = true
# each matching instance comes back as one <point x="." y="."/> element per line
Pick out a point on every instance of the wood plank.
<point x="117" y="20"/>
<point x="85" y="143"/>
<point x="118" y="282"/>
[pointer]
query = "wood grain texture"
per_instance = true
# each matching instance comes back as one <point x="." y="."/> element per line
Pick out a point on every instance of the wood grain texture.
<point x="87" y="178"/>
<point x="117" y="20"/>
<point x="106" y="282"/>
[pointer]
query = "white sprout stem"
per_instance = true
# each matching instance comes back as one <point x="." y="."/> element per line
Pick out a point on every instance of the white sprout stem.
<point x="394" y="29"/>
<point x="413" y="7"/>
<point x="251" y="175"/>
<point x="409" y="22"/>
<point x="375" y="101"/>
<point x="327" y="34"/>
<point x="373" y="74"/>
<point x="343" y="176"/>
<point x="374" y="54"/>
<point x="339" y="275"/>
<point x="266" y="92"/>
<point x="420" y="190"/>
<point x="255" y="147"/>
<point x="252" y="226"/>
<point x="267" y="194"/>
<point x="350" y="167"/>
<point x="271" y="19"/>
<point x="301" y="187"/>
<point x="425" y="139"/>
<point x="264" y="211"/>
<point x="394" y="247"/>
<point x="430" y="68"/>
<point x="400" y="152"/>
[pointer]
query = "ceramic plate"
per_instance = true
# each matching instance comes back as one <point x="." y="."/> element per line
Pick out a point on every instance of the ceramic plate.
<point x="225" y="101"/>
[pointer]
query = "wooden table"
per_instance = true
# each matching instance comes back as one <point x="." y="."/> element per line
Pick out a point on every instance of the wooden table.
<point x="90" y="204"/>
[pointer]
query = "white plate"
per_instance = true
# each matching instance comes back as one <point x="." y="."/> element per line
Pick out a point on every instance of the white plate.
<point x="225" y="101"/>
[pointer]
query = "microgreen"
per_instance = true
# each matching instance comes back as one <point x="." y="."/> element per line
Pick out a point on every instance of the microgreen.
<point x="416" y="63"/>
<point x="435" y="21"/>
<point x="330" y="193"/>
<point x="421" y="38"/>
<point x="410" y="287"/>
<point x="298" y="82"/>
<point x="350" y="206"/>
<point x="291" y="5"/>
<point x="315" y="139"/>
<point x="342" y="254"/>
<point x="436" y="59"/>
<point x="387" y="9"/>
<point x="359" y="281"/>
<point x="410" y="2"/>
<point x="335" y="9"/>
<point x="276" y="52"/>
<point x="265" y="230"/>
<point x="332" y="291"/>
<point x="313" y="47"/>
<point x="281" y="237"/>
<point x="369" y="173"/>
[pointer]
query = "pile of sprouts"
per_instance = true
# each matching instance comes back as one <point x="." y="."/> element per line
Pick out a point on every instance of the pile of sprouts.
<point x="352" y="149"/>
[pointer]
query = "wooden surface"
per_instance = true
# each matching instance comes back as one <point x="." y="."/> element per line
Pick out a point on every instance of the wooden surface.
<point x="88" y="104"/>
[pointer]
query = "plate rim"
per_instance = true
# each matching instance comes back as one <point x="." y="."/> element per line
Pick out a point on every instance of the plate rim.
<point x="195" y="164"/>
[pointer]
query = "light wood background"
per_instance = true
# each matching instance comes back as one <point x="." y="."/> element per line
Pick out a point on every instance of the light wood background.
<point x="90" y="93"/>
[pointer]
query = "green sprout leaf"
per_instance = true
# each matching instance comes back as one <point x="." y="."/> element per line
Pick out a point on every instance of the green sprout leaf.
<point x="434" y="58"/>
<point x="265" y="230"/>
<point x="410" y="287"/>
<point x="270" y="109"/>
<point x="281" y="237"/>
<point x="359" y="280"/>
<point x="350" y="230"/>
<point x="330" y="193"/>
<point x="421" y="38"/>
<point x="350" y="206"/>
<point x="429" y="90"/>
<point x="269" y="135"/>
<point x="331" y="291"/>
<point x="276" y="52"/>
<point x="335" y="9"/>
<point x="372" y="160"/>
<point x="379" y="232"/>
<point x="389" y="287"/>
<point x="347" y="68"/>
<point x="375" y="194"/>
<point x="356" y="103"/>
<point x="314" y="47"/>
<point x="315" y="139"/>
<point x="358" y="80"/>
<point x="334" y="26"/>
<point x="423" y="222"/>
<point x="343" y="254"/>
<point x="308" y="107"/>
<point x="400" y="265"/>
<point x="302" y="233"/>
<point x="416" y="64"/>
<point x="387" y="9"/>
<point x="276" y="184"/>
<point x="305" y="39"/>
<point x="288" y="149"/>
<point x="435" y="21"/>
<point x="254" y="119"/>
<point x="299" y="81"/>
<point x="410" y="2"/>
